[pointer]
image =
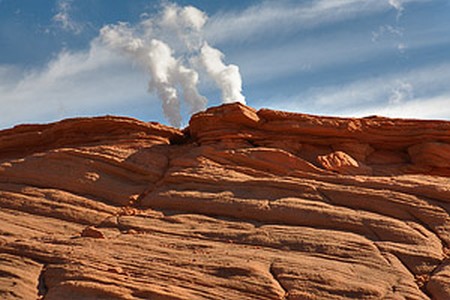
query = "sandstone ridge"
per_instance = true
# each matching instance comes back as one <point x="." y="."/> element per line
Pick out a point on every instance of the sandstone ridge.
<point x="241" y="204"/>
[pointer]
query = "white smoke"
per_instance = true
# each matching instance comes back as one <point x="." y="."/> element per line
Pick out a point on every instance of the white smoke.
<point x="186" y="23"/>
<point x="170" y="47"/>
<point x="227" y="78"/>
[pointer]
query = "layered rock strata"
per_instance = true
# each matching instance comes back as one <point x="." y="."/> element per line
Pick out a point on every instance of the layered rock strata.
<point x="242" y="204"/>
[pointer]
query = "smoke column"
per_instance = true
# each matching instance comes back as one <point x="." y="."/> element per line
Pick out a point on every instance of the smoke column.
<point x="166" y="72"/>
<point x="170" y="47"/>
<point x="227" y="78"/>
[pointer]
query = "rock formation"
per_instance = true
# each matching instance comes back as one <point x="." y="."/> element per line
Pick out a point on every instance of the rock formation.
<point x="242" y="204"/>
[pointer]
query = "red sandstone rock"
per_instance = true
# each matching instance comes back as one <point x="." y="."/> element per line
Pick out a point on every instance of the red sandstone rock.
<point x="93" y="232"/>
<point x="242" y="204"/>
<point x="343" y="163"/>
<point x="432" y="154"/>
<point x="357" y="150"/>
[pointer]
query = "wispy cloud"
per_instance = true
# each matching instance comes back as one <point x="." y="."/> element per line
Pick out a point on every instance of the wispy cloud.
<point x="287" y="16"/>
<point x="73" y="83"/>
<point x="387" y="30"/>
<point x="272" y="16"/>
<point x="397" y="4"/>
<point x="263" y="55"/>
<point x="436" y="107"/>
<point x="401" y="92"/>
<point x="63" y="18"/>
<point x="79" y="78"/>
<point x="419" y="93"/>
<point x="96" y="81"/>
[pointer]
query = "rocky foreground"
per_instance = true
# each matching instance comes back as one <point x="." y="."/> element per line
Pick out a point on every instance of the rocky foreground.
<point x="242" y="204"/>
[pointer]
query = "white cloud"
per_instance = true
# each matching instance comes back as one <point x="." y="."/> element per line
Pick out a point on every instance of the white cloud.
<point x="285" y="16"/>
<point x="256" y="30"/>
<point x="433" y="107"/>
<point x="420" y="93"/>
<point x="389" y="30"/>
<point x="436" y="107"/>
<point x="270" y="16"/>
<point x="390" y="33"/>
<point x="401" y="47"/>
<point x="95" y="81"/>
<point x="72" y="84"/>
<point x="424" y="81"/>
<point x="397" y="4"/>
<point x="304" y="56"/>
<point x="64" y="20"/>
<point x="401" y="92"/>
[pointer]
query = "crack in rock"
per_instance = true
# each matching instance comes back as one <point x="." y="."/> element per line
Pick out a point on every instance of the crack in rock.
<point x="278" y="282"/>
<point x="42" y="288"/>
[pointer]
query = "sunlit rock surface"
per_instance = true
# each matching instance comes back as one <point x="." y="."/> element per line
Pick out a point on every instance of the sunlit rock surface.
<point x="242" y="204"/>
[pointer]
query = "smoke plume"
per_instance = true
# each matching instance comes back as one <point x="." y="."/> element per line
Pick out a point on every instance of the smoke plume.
<point x="227" y="78"/>
<point x="171" y="48"/>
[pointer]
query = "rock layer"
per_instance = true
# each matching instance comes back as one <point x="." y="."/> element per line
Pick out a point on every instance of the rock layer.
<point x="242" y="204"/>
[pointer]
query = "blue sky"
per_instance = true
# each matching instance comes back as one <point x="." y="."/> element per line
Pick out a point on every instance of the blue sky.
<point x="327" y="57"/>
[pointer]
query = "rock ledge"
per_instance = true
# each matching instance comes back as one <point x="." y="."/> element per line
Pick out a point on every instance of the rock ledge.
<point x="242" y="204"/>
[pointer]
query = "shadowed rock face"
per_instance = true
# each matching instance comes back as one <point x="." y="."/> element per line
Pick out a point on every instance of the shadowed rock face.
<point x="242" y="204"/>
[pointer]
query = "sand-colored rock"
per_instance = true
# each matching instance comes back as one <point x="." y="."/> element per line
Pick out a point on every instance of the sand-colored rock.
<point x="242" y="204"/>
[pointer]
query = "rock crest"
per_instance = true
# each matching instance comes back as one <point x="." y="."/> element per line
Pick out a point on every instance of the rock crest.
<point x="242" y="204"/>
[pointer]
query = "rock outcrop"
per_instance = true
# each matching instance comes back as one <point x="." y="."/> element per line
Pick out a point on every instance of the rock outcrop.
<point x="242" y="204"/>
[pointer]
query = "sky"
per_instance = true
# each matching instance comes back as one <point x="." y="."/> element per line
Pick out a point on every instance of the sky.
<point x="350" y="58"/>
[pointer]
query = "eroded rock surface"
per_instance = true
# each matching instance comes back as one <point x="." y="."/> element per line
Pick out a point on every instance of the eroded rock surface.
<point x="242" y="204"/>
